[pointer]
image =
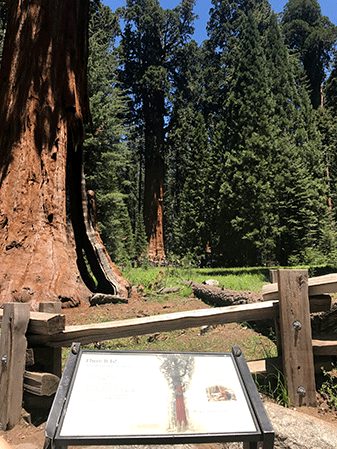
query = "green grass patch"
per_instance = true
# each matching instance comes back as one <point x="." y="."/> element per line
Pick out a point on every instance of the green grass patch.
<point x="219" y="339"/>
<point x="274" y="386"/>
<point x="154" y="278"/>
<point x="251" y="279"/>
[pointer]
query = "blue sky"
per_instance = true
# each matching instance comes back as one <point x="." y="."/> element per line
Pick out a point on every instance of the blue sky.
<point x="202" y="8"/>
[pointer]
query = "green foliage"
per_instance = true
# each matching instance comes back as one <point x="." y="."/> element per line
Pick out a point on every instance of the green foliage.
<point x="106" y="155"/>
<point x="190" y="168"/>
<point x="313" y="37"/>
<point x="3" y="23"/>
<point x="274" y="385"/>
<point x="247" y="135"/>
<point x="273" y="194"/>
<point x="191" y="183"/>
<point x="151" y="41"/>
<point x="330" y="88"/>
<point x="240" y="281"/>
<point x="140" y="238"/>
<point x="329" y="387"/>
<point x="249" y="164"/>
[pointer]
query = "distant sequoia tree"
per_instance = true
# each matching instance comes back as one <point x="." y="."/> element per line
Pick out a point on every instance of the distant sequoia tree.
<point x="47" y="240"/>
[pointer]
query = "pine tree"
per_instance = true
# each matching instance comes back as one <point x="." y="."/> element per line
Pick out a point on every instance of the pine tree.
<point x="247" y="134"/>
<point x="189" y="165"/>
<point x="266" y="138"/>
<point x="195" y="202"/>
<point x="106" y="156"/>
<point x="328" y="129"/>
<point x="297" y="174"/>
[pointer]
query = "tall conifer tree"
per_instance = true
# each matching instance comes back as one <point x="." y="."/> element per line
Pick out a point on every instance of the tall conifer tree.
<point x="106" y="156"/>
<point x="247" y="135"/>
<point x="297" y="168"/>
<point x="149" y="44"/>
<point x="266" y="137"/>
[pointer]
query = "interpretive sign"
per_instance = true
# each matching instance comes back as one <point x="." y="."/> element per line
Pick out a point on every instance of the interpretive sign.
<point x="114" y="397"/>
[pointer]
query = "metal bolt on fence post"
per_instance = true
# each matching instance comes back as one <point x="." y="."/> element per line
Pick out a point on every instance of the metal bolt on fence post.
<point x="4" y="359"/>
<point x="301" y="391"/>
<point x="297" y="325"/>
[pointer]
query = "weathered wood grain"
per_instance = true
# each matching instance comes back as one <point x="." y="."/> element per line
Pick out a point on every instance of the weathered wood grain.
<point x="296" y="338"/>
<point x="316" y="286"/>
<point x="44" y="323"/>
<point x="40" y="384"/>
<point x="161" y="323"/>
<point x="13" y="345"/>
<point x="54" y="356"/>
<point x="323" y="346"/>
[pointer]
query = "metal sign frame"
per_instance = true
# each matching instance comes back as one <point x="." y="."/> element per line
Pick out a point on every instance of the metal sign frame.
<point x="59" y="414"/>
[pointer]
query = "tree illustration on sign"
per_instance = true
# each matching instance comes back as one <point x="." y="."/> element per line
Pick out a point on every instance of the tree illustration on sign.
<point x="178" y="370"/>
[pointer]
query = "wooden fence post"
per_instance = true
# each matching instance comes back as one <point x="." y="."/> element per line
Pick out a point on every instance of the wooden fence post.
<point x="298" y="360"/>
<point x="53" y="355"/>
<point x="273" y="276"/>
<point x="13" y="345"/>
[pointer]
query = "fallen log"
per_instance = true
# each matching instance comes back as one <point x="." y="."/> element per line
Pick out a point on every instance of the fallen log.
<point x="224" y="297"/>
<point x="101" y="298"/>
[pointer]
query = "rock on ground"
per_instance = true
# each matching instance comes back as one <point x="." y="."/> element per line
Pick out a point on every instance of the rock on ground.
<point x="295" y="430"/>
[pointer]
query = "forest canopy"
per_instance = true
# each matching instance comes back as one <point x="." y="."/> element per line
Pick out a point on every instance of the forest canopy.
<point x="224" y="152"/>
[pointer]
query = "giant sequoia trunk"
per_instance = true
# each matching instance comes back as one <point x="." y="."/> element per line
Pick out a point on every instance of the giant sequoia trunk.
<point x="154" y="172"/>
<point x="44" y="224"/>
<point x="153" y="206"/>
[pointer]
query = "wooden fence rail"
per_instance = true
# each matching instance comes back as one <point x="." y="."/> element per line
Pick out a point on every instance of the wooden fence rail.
<point x="47" y="333"/>
<point x="160" y="323"/>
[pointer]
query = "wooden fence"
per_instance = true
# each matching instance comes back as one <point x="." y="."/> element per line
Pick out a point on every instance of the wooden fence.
<point x="31" y="342"/>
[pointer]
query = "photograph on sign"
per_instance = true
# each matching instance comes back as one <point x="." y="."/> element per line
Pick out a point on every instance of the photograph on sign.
<point x="155" y="394"/>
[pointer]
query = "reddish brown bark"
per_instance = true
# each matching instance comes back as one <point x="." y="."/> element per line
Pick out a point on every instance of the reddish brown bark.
<point x="180" y="406"/>
<point x="44" y="104"/>
<point x="121" y="286"/>
<point x="154" y="172"/>
<point x="153" y="207"/>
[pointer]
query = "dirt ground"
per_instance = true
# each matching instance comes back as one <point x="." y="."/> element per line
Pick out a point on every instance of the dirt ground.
<point x="140" y="306"/>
